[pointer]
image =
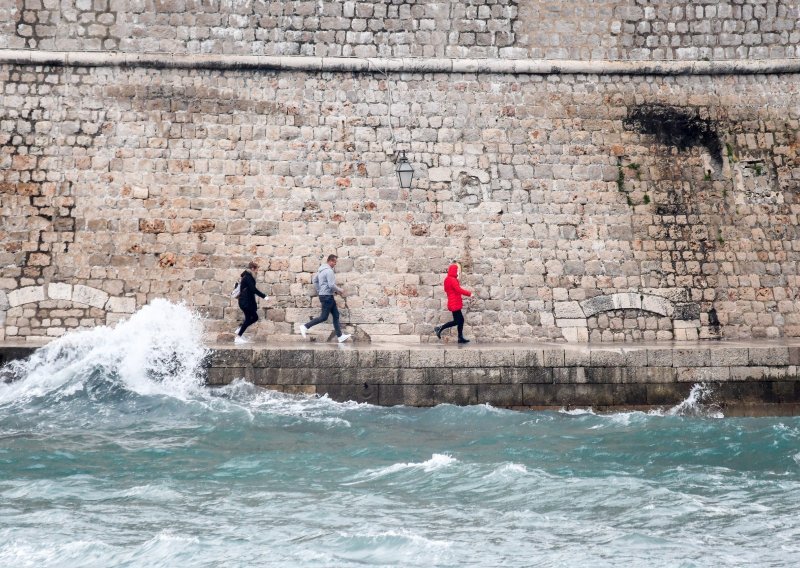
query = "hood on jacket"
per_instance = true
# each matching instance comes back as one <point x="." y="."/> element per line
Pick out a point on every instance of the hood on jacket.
<point x="453" y="270"/>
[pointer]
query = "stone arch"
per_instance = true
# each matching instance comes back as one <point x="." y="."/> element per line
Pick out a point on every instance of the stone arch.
<point x="572" y="317"/>
<point x="77" y="294"/>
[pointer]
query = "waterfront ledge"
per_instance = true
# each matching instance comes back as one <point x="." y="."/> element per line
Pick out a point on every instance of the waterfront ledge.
<point x="743" y="378"/>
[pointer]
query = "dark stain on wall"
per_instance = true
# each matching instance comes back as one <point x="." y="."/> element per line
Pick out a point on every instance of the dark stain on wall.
<point x="675" y="126"/>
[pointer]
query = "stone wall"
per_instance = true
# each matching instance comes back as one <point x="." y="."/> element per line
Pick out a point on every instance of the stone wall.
<point x="551" y="29"/>
<point x="738" y="379"/>
<point x="564" y="196"/>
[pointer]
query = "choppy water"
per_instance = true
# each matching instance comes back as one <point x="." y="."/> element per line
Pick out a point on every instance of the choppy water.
<point x="112" y="453"/>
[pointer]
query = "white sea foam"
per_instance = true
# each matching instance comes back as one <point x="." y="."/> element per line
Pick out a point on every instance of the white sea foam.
<point x="698" y="403"/>
<point x="157" y="351"/>
<point x="437" y="462"/>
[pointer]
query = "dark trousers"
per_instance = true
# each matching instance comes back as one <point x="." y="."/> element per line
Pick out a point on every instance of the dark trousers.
<point x="250" y="317"/>
<point x="458" y="319"/>
<point x="328" y="308"/>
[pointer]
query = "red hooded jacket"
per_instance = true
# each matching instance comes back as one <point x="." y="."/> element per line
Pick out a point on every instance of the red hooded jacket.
<point x="454" y="290"/>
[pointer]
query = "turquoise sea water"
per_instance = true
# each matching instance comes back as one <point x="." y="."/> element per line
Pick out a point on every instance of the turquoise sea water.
<point x="112" y="453"/>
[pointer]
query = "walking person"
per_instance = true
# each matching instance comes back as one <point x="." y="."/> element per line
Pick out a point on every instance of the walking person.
<point x="454" y="292"/>
<point x="325" y="284"/>
<point x="247" y="301"/>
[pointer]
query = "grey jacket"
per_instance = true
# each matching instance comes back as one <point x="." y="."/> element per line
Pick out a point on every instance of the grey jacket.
<point x="325" y="281"/>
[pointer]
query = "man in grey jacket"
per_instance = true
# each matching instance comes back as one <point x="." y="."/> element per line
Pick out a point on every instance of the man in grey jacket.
<point x="325" y="283"/>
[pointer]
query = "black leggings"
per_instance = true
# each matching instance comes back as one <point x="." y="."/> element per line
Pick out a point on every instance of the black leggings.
<point x="458" y="319"/>
<point x="250" y="317"/>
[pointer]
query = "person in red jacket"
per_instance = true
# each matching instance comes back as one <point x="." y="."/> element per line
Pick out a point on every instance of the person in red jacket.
<point x="454" y="292"/>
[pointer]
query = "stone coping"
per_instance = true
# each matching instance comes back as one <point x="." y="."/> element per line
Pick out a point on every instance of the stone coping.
<point x="397" y="64"/>
<point x="746" y="378"/>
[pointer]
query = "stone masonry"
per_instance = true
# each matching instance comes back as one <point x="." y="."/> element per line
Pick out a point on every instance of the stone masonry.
<point x="548" y="29"/>
<point x="584" y="207"/>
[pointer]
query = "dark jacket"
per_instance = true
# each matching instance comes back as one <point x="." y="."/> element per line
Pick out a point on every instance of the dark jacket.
<point x="248" y="292"/>
<point x="454" y="290"/>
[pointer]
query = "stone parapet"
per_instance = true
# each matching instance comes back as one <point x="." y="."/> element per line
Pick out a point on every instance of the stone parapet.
<point x="738" y="378"/>
<point x="546" y="29"/>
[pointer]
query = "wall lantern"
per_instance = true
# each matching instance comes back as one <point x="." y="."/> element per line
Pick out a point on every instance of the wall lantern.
<point x="404" y="170"/>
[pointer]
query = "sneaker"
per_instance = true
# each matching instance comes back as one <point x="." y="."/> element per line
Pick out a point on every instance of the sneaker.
<point x="239" y="340"/>
<point x="462" y="340"/>
<point x="344" y="338"/>
<point x="303" y="331"/>
<point x="438" y="331"/>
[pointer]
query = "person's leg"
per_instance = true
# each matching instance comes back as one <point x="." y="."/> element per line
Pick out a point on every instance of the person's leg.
<point x="335" y="313"/>
<point x="250" y="317"/>
<point x="450" y="323"/>
<point x="325" y="302"/>
<point x="458" y="317"/>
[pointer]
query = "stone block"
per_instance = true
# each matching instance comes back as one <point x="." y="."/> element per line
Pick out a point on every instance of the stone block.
<point x="437" y="376"/>
<point x="460" y="395"/>
<point x="26" y="295"/>
<point x="337" y="357"/>
<point x="528" y="357"/>
<point x="627" y="301"/>
<point x="667" y="393"/>
<point x="268" y="376"/>
<point x="462" y="357"/>
<point x="500" y="395"/>
<point x="426" y="358"/>
<point x="568" y="310"/>
<point x="596" y="305"/>
<point x="650" y="375"/>
<point x="659" y="357"/>
<point x="266" y="358"/>
<point x="635" y="357"/>
<point x="768" y="356"/>
<point x="231" y="357"/>
<point x="297" y="358"/>
<point x="472" y="376"/>
<point x="320" y="376"/>
<point x="394" y="359"/>
<point x="553" y="357"/>
<point x="526" y="375"/>
<point x="578" y="357"/>
<point x="497" y="358"/>
<point x="629" y="394"/>
<point x="702" y="374"/>
<point x="693" y="357"/>
<point x="227" y="375"/>
<point x="608" y="358"/>
<point x="407" y="395"/>
<point x="658" y="305"/>
<point x="605" y="375"/>
<point x="729" y="356"/>
<point x="743" y="392"/>
<point x="747" y="373"/>
<point x="569" y="375"/>
<point x="59" y="291"/>
<point x="121" y="305"/>
<point x="89" y="296"/>
<point x="794" y="355"/>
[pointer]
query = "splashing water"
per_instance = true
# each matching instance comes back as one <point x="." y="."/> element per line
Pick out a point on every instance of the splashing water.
<point x="112" y="453"/>
<point x="157" y="350"/>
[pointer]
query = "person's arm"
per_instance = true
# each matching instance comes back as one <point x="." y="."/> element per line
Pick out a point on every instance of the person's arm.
<point x="259" y="292"/>
<point x="331" y="278"/>
<point x="461" y="290"/>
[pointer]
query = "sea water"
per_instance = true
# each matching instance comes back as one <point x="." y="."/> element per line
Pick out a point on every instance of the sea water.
<point x="113" y="453"/>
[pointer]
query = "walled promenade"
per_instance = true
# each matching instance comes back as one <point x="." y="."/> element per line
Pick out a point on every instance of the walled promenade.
<point x="744" y="378"/>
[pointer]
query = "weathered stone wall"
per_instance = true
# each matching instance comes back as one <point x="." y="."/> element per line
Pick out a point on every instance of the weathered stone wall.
<point x="552" y="29"/>
<point x="738" y="379"/>
<point x="566" y="197"/>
